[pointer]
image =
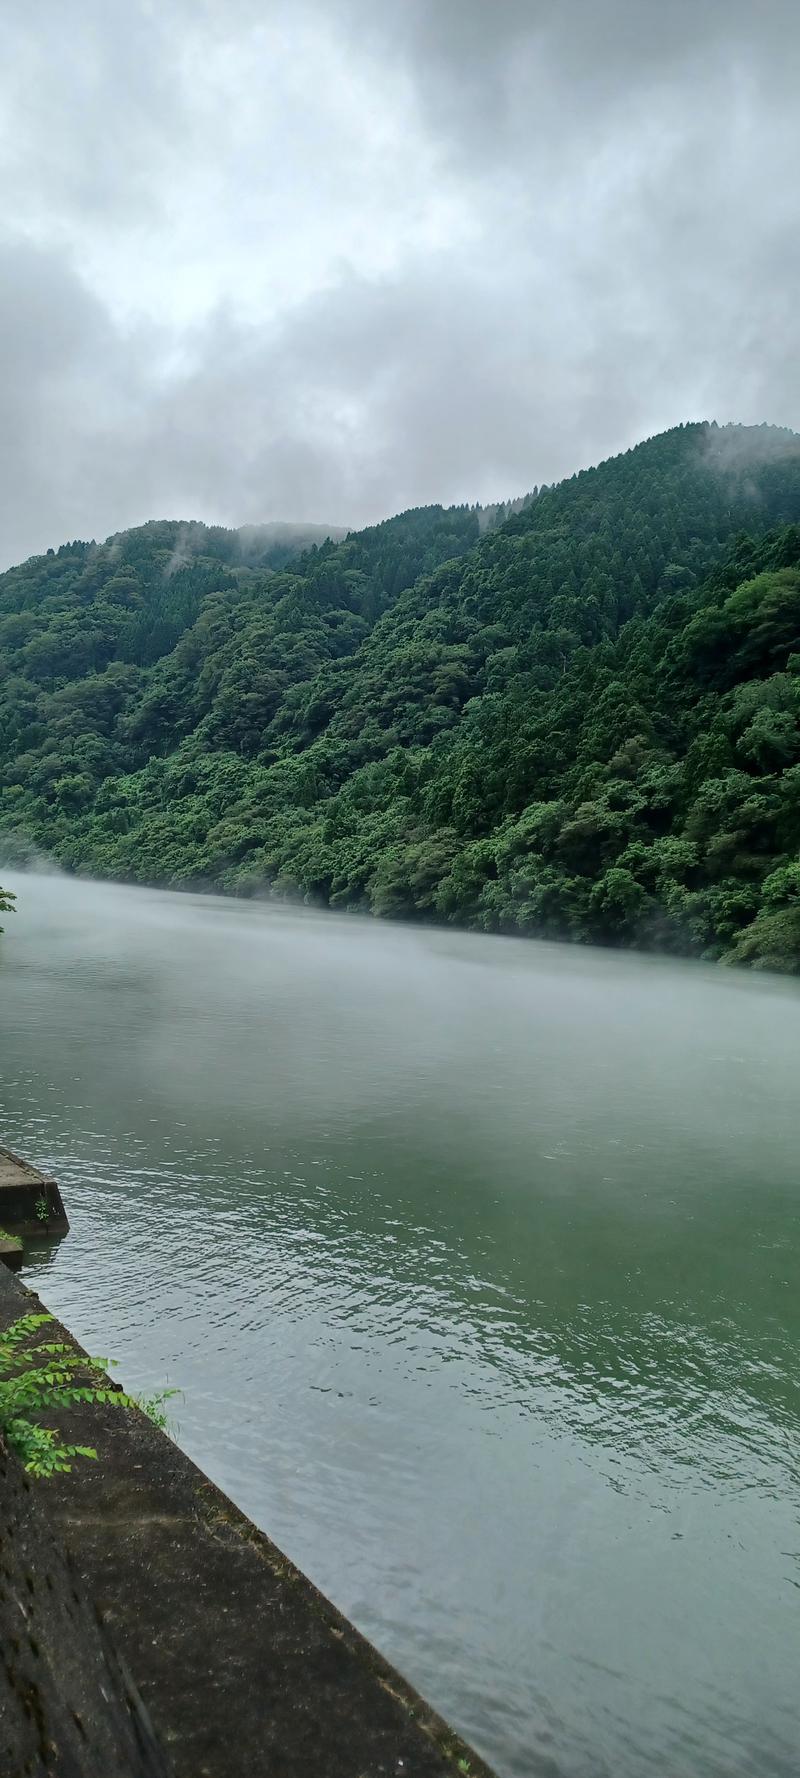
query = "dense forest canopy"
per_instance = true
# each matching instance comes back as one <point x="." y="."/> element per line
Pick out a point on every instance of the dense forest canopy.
<point x="579" y="720"/>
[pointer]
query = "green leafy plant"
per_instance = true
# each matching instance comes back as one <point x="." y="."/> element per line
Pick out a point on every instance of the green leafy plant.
<point x="13" y="1239"/>
<point x="153" y="1406"/>
<point x="36" y="1375"/>
<point x="42" y="1208"/>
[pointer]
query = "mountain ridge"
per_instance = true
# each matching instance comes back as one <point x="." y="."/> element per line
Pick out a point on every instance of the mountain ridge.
<point x="431" y="718"/>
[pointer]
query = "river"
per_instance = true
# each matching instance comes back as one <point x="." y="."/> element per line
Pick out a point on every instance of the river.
<point x="476" y="1263"/>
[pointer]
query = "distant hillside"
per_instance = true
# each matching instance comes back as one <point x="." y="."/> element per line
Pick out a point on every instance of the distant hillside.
<point x="582" y="723"/>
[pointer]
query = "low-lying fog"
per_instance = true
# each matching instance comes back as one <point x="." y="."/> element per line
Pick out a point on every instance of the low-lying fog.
<point x="476" y="1262"/>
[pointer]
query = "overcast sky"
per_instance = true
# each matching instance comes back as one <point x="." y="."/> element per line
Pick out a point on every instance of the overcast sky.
<point x="329" y="259"/>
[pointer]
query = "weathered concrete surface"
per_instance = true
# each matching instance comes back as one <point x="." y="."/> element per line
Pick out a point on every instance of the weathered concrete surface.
<point x="10" y="1252"/>
<point x="245" y="1668"/>
<point x="22" y="1187"/>
<point x="67" y="1707"/>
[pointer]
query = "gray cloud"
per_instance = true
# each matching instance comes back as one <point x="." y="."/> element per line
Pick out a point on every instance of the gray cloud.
<point x="324" y="262"/>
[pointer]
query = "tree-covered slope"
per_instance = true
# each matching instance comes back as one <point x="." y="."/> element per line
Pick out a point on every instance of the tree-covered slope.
<point x="583" y="723"/>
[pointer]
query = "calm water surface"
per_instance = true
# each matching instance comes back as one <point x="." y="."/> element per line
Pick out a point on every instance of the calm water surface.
<point x="477" y="1264"/>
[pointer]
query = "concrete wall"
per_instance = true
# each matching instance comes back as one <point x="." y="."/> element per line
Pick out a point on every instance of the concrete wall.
<point x="245" y="1668"/>
<point x="24" y="1192"/>
<point x="67" y="1707"/>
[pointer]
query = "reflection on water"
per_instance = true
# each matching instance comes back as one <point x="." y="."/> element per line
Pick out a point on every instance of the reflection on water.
<point x="476" y="1263"/>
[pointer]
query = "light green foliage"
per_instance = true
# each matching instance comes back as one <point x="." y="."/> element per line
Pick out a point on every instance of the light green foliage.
<point x="782" y="887"/>
<point x="153" y="1405"/>
<point x="584" y="723"/>
<point x="35" y="1376"/>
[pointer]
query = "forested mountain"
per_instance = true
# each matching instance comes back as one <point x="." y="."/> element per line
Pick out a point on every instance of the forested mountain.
<point x="581" y="723"/>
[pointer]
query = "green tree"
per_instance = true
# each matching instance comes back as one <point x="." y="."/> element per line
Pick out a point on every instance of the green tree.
<point x="579" y="719"/>
<point x="7" y="900"/>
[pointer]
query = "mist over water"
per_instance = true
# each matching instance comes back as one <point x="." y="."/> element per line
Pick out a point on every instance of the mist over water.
<point x="476" y="1262"/>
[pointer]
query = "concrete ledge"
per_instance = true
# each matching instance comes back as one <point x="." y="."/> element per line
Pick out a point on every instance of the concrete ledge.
<point x="30" y="1202"/>
<point x="11" y="1251"/>
<point x="67" y="1708"/>
<point x="245" y="1668"/>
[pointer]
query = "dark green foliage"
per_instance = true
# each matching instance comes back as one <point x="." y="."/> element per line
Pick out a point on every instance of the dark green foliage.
<point x="582" y="724"/>
<point x="7" y="899"/>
